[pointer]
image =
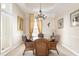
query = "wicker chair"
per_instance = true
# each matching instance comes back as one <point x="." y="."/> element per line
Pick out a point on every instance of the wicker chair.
<point x="40" y="35"/>
<point x="41" y="47"/>
<point x="29" y="45"/>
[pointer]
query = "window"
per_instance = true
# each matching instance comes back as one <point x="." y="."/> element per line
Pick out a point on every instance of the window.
<point x="35" y="30"/>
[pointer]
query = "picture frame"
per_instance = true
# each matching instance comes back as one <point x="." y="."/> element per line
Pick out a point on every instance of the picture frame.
<point x="74" y="18"/>
<point x="60" y="23"/>
<point x="20" y="23"/>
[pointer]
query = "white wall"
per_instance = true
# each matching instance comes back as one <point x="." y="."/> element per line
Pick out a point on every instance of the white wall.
<point x="14" y="36"/>
<point x="69" y="36"/>
<point x="47" y="31"/>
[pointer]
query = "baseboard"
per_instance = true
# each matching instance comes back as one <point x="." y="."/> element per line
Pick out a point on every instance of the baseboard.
<point x="76" y="54"/>
<point x="10" y="49"/>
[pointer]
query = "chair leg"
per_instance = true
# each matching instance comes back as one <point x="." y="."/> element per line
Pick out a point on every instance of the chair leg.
<point x="24" y="52"/>
<point x="57" y="52"/>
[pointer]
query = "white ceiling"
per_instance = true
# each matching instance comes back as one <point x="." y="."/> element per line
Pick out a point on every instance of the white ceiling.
<point x="51" y="9"/>
<point x="34" y="7"/>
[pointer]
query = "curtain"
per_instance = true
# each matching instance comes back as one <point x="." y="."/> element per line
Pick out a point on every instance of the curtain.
<point x="40" y="25"/>
<point x="31" y="24"/>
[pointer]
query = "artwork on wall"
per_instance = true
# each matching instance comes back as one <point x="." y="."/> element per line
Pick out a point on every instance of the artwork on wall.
<point x="60" y="23"/>
<point x="20" y="23"/>
<point x="74" y="18"/>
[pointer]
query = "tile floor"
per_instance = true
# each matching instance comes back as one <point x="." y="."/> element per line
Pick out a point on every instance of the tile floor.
<point x="19" y="51"/>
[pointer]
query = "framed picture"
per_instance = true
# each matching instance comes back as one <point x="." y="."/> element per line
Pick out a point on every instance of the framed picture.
<point x="60" y="23"/>
<point x="20" y="23"/>
<point x="74" y="18"/>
